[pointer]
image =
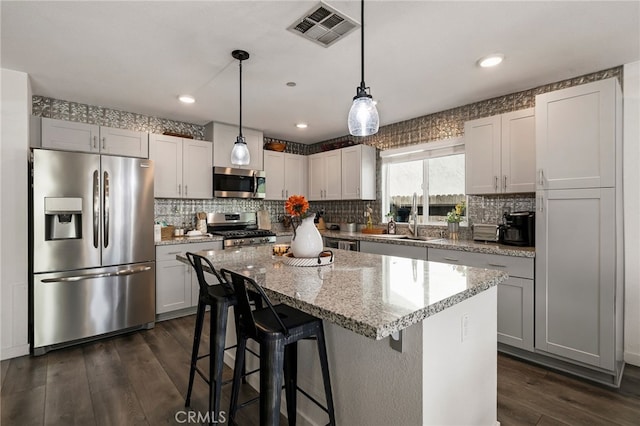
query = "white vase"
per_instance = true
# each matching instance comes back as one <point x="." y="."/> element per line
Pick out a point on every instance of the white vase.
<point x="307" y="241"/>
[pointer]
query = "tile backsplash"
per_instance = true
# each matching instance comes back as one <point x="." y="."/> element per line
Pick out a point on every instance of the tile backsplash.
<point x="431" y="127"/>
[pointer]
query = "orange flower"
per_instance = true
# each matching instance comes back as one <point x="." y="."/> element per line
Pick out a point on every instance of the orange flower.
<point x="296" y="205"/>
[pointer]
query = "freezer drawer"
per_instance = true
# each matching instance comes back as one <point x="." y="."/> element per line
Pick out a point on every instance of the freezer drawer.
<point x="76" y="305"/>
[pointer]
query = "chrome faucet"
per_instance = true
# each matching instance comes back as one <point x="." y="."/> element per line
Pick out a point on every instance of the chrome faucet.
<point x="413" y="217"/>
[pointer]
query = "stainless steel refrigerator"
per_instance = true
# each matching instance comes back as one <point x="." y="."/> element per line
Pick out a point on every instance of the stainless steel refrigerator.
<point x="92" y="251"/>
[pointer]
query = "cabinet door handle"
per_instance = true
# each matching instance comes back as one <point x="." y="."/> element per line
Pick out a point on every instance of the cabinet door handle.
<point x="495" y="183"/>
<point x="540" y="206"/>
<point x="286" y="193"/>
<point x="95" y="142"/>
<point x="282" y="194"/>
<point x="496" y="265"/>
<point x="358" y="192"/>
<point x="174" y="252"/>
<point x="505" y="182"/>
<point x="451" y="259"/>
<point x="186" y="190"/>
<point x="541" y="176"/>
<point x="179" y="189"/>
<point x="104" y="142"/>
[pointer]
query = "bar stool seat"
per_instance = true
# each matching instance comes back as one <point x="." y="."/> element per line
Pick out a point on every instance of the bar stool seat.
<point x="277" y="329"/>
<point x="219" y="298"/>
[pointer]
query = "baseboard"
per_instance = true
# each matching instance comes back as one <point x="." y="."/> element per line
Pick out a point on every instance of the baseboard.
<point x="632" y="358"/>
<point x="14" y="352"/>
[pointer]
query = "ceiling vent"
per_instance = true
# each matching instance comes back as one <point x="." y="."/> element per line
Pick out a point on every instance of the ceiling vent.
<point x="323" y="25"/>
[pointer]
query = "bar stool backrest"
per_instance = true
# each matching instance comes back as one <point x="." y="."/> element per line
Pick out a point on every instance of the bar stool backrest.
<point x="244" y="313"/>
<point x="196" y="261"/>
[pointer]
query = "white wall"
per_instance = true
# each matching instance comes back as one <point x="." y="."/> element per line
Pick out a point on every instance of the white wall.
<point x="15" y="97"/>
<point x="631" y="179"/>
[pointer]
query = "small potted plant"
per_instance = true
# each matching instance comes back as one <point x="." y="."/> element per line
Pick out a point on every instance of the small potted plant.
<point x="453" y="220"/>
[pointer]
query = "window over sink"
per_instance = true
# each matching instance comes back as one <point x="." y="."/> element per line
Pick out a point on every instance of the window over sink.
<point x="434" y="170"/>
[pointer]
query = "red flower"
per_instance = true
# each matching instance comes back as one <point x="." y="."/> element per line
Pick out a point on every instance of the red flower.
<point x="296" y="205"/>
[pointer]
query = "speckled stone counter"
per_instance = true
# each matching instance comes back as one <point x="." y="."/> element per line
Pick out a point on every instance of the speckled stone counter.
<point x="369" y="294"/>
<point x="189" y="240"/>
<point x="443" y="243"/>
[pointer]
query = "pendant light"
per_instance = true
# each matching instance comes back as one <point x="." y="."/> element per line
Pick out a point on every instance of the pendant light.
<point x="240" y="153"/>
<point x="363" y="115"/>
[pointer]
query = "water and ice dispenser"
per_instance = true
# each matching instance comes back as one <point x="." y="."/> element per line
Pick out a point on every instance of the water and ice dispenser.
<point x="63" y="218"/>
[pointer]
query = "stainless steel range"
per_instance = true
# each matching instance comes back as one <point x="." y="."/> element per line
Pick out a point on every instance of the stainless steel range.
<point x="238" y="229"/>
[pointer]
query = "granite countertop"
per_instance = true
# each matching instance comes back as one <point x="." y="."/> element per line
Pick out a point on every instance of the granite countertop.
<point x="369" y="294"/>
<point x="434" y="242"/>
<point x="189" y="240"/>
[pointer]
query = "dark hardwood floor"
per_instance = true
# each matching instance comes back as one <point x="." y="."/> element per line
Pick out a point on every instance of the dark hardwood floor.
<point x="141" y="379"/>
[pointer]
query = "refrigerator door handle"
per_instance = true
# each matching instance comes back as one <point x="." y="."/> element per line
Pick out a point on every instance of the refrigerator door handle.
<point x="96" y="207"/>
<point x="106" y="209"/>
<point x="124" y="272"/>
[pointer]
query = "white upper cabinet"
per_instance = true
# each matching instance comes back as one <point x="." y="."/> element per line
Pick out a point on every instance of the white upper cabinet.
<point x="500" y="153"/>
<point x="225" y="135"/>
<point x="576" y="136"/>
<point x="286" y="174"/>
<point x="72" y="136"/>
<point x="359" y="173"/>
<point x="183" y="167"/>
<point x="343" y="174"/>
<point x="274" y="169"/>
<point x="325" y="176"/>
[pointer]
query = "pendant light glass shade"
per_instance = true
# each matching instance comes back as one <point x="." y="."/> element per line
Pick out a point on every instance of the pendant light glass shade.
<point x="363" y="116"/>
<point x="240" y="153"/>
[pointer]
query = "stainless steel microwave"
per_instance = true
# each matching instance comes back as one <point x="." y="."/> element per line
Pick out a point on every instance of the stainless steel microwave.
<point x="239" y="183"/>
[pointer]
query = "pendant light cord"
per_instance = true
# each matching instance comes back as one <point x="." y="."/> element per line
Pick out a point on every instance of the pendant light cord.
<point x="240" y="127"/>
<point x="362" y="85"/>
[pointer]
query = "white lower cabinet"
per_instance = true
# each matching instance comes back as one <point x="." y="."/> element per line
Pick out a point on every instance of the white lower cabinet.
<point x="515" y="295"/>
<point x="176" y="283"/>
<point x="411" y="252"/>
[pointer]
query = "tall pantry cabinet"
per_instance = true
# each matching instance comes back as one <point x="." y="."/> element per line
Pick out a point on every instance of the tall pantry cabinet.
<point x="579" y="239"/>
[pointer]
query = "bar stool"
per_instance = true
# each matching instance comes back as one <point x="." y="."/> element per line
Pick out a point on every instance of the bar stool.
<point x="220" y="298"/>
<point x="277" y="329"/>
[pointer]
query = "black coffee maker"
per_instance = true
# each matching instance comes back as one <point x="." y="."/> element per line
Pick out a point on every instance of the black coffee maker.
<point x="518" y="229"/>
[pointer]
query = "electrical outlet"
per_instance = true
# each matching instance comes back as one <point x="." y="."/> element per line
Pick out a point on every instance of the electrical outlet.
<point x="464" y="327"/>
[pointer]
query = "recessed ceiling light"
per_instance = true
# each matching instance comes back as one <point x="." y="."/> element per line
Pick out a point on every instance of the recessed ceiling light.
<point x="291" y="83"/>
<point x="491" y="60"/>
<point x="301" y="125"/>
<point x="187" y="99"/>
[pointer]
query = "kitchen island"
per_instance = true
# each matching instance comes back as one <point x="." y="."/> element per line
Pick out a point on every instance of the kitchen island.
<point x="441" y="369"/>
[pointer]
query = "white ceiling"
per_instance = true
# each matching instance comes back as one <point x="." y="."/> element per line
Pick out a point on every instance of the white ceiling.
<point x="420" y="56"/>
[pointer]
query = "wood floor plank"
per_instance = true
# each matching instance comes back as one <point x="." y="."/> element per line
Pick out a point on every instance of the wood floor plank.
<point x="67" y="400"/>
<point x="24" y="408"/>
<point x="158" y="396"/>
<point x="513" y="413"/>
<point x="550" y="421"/>
<point x="25" y="373"/>
<point x="115" y="401"/>
<point x="4" y="366"/>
